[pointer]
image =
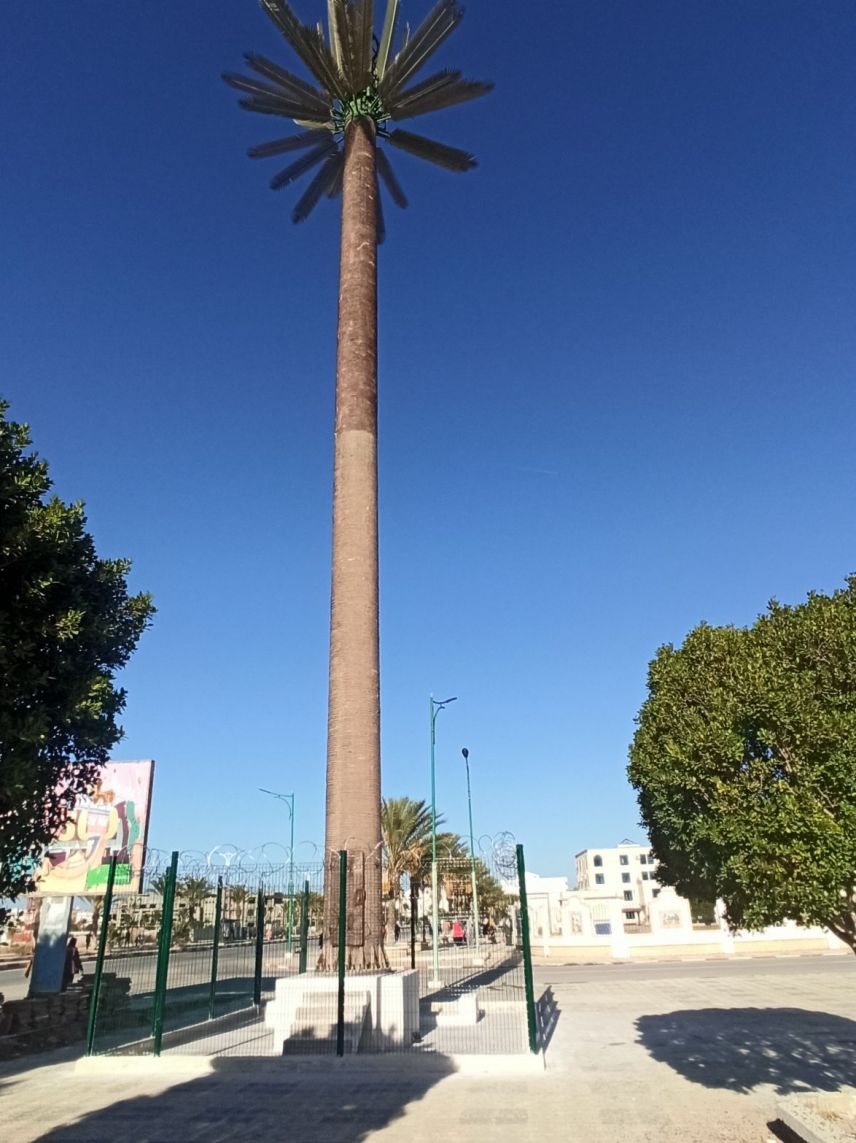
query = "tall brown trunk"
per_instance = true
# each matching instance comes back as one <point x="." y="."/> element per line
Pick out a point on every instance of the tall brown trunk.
<point x="353" y="726"/>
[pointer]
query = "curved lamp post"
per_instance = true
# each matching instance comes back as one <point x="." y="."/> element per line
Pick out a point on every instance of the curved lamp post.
<point x="476" y="917"/>
<point x="289" y="801"/>
<point x="436" y="706"/>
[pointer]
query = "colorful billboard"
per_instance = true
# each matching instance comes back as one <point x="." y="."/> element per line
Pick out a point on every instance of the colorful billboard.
<point x="113" y="818"/>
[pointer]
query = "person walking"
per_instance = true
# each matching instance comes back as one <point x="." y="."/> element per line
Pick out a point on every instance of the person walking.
<point x="73" y="964"/>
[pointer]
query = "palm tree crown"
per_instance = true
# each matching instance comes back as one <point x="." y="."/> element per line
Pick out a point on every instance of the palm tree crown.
<point x="357" y="76"/>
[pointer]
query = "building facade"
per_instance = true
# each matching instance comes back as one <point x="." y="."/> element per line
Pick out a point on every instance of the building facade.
<point x="627" y="871"/>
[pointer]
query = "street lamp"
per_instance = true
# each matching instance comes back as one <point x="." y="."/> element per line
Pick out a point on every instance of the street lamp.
<point x="436" y="706"/>
<point x="476" y="918"/>
<point x="289" y="801"/>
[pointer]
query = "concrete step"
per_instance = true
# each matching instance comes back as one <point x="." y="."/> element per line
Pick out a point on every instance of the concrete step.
<point x="313" y="1031"/>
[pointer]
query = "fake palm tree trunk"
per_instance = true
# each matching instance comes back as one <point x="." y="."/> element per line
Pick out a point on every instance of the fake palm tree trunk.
<point x="353" y="729"/>
<point x="362" y="83"/>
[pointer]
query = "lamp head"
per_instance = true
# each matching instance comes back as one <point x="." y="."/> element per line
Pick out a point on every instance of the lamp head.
<point x="465" y="753"/>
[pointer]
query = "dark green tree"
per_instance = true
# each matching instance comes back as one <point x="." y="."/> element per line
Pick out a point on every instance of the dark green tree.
<point x="745" y="764"/>
<point x="67" y="624"/>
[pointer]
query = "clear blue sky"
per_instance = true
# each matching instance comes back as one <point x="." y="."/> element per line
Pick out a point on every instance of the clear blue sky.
<point x="616" y="378"/>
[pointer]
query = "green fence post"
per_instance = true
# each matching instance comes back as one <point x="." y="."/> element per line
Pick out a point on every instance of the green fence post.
<point x="99" y="959"/>
<point x="304" y="928"/>
<point x="162" y="971"/>
<point x="527" y="953"/>
<point x="340" y="1007"/>
<point x="260" y="945"/>
<point x="215" y="951"/>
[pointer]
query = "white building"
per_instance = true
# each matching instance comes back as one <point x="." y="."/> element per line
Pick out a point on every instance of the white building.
<point x="628" y="872"/>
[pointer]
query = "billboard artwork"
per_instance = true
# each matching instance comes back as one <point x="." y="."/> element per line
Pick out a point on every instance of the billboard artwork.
<point x="113" y="818"/>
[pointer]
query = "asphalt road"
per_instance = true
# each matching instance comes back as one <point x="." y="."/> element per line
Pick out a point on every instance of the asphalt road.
<point x="236" y="963"/>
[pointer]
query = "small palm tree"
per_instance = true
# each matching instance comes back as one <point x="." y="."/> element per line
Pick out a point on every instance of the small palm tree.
<point x="194" y="892"/>
<point x="406" y="830"/>
<point x="362" y="85"/>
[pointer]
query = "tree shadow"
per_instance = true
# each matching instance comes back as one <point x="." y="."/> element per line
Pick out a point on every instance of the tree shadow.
<point x="335" y="1100"/>
<point x="739" y="1048"/>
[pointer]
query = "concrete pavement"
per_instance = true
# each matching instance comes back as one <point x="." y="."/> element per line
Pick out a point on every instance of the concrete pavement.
<point x="640" y="1054"/>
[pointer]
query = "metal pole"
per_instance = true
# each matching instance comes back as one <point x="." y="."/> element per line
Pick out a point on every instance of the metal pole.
<point x="412" y="921"/>
<point x="304" y="928"/>
<point x="260" y="938"/>
<point x="476" y="918"/>
<point x="99" y="960"/>
<point x="291" y="880"/>
<point x="527" y="953"/>
<point x="215" y="950"/>
<point x="435" y="947"/>
<point x="340" y="1006"/>
<point x="435" y="922"/>
<point x="162" y="971"/>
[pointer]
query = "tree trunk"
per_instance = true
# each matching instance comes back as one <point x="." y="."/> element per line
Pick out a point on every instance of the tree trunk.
<point x="353" y="725"/>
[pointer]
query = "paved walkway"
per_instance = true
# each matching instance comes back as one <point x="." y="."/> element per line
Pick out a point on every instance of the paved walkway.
<point x="640" y="1055"/>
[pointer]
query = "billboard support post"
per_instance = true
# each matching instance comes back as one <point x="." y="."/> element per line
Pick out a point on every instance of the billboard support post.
<point x="99" y="959"/>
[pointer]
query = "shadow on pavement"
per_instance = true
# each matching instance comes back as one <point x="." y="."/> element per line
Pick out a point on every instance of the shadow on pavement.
<point x="740" y="1048"/>
<point x="337" y="1101"/>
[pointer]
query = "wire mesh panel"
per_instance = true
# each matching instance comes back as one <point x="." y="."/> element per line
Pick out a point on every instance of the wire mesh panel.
<point x="227" y="958"/>
<point x="131" y="926"/>
<point x="235" y="929"/>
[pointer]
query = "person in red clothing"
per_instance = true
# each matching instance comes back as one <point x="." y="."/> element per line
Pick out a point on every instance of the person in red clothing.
<point x="458" y="935"/>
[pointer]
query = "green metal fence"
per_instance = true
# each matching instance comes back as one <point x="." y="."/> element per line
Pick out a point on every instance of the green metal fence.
<point x="219" y="954"/>
<point x="195" y="955"/>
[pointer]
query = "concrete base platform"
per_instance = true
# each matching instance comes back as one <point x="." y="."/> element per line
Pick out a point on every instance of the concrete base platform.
<point x="382" y="1011"/>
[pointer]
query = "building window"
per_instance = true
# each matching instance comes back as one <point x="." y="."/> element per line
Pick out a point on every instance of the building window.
<point x="624" y="859"/>
<point x="643" y="860"/>
<point x="630" y="915"/>
<point x="646" y="876"/>
<point x="598" y="879"/>
<point x="598" y="861"/>
<point x="656" y="892"/>
<point x="625" y="877"/>
<point x="628" y="895"/>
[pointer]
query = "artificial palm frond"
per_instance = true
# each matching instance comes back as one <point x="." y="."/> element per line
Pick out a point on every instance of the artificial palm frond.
<point x="273" y="105"/>
<point x="345" y="33"/>
<point x="291" y="84"/>
<point x="441" y="154"/>
<point x="363" y="14"/>
<point x="320" y="185"/>
<point x="438" y="25"/>
<point x="303" y="165"/>
<point x="253" y="86"/>
<point x="311" y="138"/>
<point x="434" y="82"/>
<point x="387" y="174"/>
<point x="386" y="38"/>
<point x="448" y="95"/>
<point x="333" y="32"/>
<point x="309" y="45"/>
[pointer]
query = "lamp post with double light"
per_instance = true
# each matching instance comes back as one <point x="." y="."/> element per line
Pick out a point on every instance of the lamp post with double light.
<point x="289" y="801"/>
<point x="436" y="705"/>
<point x="476" y="917"/>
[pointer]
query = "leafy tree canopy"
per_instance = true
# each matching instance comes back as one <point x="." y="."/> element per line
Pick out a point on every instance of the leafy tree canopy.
<point x="67" y="624"/>
<point x="745" y="765"/>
